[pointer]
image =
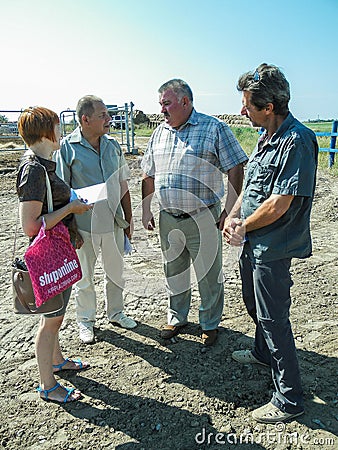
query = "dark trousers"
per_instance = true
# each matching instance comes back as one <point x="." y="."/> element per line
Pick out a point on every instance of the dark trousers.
<point x="266" y="294"/>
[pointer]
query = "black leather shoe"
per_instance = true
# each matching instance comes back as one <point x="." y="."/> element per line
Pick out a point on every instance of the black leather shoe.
<point x="209" y="337"/>
<point x="169" y="331"/>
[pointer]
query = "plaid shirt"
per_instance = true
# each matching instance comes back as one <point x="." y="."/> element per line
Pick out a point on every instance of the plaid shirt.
<point x="188" y="164"/>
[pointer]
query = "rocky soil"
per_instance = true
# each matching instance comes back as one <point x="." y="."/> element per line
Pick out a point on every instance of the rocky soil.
<point x="144" y="393"/>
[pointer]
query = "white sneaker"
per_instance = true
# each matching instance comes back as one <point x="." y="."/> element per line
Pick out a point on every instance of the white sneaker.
<point x="86" y="332"/>
<point x="246" y="357"/>
<point x="269" y="413"/>
<point x="123" y="321"/>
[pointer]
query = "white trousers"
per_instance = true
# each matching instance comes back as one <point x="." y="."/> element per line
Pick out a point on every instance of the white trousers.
<point x="111" y="247"/>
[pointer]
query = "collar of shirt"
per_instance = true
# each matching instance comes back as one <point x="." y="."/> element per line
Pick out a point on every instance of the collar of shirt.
<point x="76" y="137"/>
<point x="29" y="156"/>
<point x="281" y="130"/>
<point x="285" y="125"/>
<point x="50" y="165"/>
<point x="263" y="141"/>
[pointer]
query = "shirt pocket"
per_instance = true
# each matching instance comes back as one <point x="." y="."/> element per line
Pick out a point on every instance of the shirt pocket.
<point x="261" y="177"/>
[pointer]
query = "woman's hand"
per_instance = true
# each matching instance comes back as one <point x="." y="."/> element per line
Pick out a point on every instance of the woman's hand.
<point x="79" y="206"/>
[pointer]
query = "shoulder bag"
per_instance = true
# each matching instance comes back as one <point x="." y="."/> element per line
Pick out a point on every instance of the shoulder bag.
<point x="52" y="265"/>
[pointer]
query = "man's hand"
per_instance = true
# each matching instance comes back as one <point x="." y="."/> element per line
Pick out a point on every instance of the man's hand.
<point x="130" y="230"/>
<point x="234" y="231"/>
<point x="78" y="240"/>
<point x="148" y="220"/>
<point x="148" y="189"/>
<point x="221" y="220"/>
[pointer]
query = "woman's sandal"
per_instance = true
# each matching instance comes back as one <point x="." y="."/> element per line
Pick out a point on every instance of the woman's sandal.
<point x="67" y="398"/>
<point x="81" y="365"/>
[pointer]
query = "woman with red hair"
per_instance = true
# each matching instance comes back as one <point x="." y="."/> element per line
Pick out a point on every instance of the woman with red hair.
<point x="40" y="129"/>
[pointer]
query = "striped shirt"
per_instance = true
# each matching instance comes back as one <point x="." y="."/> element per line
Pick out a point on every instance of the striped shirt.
<point x="188" y="163"/>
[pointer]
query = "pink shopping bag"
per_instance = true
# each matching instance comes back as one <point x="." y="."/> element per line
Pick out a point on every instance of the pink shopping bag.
<point x="52" y="262"/>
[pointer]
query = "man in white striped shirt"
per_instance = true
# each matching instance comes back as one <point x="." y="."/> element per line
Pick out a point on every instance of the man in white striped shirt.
<point x="184" y="165"/>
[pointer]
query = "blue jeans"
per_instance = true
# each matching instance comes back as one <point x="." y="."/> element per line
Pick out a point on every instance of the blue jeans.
<point x="193" y="241"/>
<point x="266" y="294"/>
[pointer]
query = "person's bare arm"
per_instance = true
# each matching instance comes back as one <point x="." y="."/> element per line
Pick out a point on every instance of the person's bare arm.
<point x="235" y="183"/>
<point x="30" y="215"/>
<point x="148" y="189"/>
<point x="126" y="206"/>
<point x="267" y="213"/>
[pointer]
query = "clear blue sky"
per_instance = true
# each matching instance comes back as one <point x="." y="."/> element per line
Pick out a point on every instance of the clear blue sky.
<point x="54" y="52"/>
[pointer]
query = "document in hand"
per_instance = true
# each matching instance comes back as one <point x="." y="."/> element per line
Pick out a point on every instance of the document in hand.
<point x="92" y="194"/>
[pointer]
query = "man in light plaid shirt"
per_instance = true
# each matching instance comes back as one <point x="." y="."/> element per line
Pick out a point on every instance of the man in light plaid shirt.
<point x="184" y="164"/>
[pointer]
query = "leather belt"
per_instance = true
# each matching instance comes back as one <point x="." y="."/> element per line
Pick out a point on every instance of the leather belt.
<point x="189" y="214"/>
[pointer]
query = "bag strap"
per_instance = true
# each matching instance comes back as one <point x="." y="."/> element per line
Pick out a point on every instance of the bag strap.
<point x="49" y="207"/>
<point x="49" y="193"/>
<point x="16" y="232"/>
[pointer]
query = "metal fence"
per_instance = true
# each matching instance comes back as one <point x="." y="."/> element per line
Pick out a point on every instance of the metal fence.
<point x="9" y="129"/>
<point x="332" y="149"/>
<point x="122" y="126"/>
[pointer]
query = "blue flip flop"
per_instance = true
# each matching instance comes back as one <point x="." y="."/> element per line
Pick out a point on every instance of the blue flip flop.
<point x="75" y="361"/>
<point x="46" y="393"/>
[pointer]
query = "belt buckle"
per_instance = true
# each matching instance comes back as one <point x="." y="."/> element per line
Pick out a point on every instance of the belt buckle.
<point x="191" y="213"/>
<point x="181" y="216"/>
<point x="198" y="210"/>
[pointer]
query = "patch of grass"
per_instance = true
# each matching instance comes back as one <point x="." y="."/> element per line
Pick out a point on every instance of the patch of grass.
<point x="247" y="137"/>
<point x="324" y="142"/>
<point x="319" y="126"/>
<point x="323" y="164"/>
<point x="143" y="131"/>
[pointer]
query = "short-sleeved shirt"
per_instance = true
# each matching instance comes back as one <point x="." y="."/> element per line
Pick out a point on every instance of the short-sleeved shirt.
<point x="31" y="184"/>
<point x="284" y="165"/>
<point x="80" y="165"/>
<point x="188" y="163"/>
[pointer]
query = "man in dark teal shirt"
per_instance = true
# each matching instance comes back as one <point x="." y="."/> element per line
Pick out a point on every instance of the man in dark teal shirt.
<point x="272" y="219"/>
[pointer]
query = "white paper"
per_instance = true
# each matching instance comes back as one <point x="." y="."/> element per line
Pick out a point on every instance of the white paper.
<point x="92" y="194"/>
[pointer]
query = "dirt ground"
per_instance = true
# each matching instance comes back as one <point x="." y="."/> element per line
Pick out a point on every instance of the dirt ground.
<point x="144" y="393"/>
